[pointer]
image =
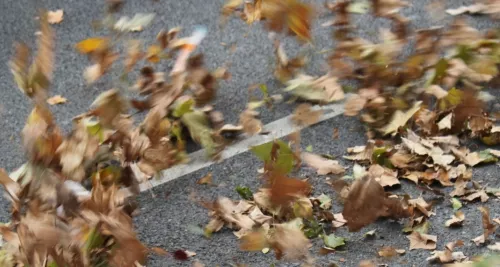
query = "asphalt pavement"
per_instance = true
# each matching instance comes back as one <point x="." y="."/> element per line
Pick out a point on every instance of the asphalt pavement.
<point x="168" y="218"/>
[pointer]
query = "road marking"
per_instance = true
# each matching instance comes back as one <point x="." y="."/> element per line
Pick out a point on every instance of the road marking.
<point x="278" y="129"/>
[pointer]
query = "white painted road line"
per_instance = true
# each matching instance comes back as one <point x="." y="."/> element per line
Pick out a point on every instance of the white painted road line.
<point x="278" y="129"/>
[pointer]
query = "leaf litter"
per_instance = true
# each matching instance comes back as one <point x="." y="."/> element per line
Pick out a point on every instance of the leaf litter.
<point x="74" y="193"/>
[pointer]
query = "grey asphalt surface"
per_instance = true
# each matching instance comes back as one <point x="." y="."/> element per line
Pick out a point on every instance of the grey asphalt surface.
<point x="168" y="217"/>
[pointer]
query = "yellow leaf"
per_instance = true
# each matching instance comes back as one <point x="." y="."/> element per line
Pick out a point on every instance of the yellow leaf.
<point x="153" y="54"/>
<point x="90" y="45"/>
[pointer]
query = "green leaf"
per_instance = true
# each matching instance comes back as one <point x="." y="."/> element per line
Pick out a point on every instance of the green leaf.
<point x="439" y="70"/>
<point x="487" y="157"/>
<point x="455" y="203"/>
<point x="422" y="228"/>
<point x="183" y="108"/>
<point x="379" y="156"/>
<point x="309" y="148"/>
<point x="95" y="128"/>
<point x="333" y="241"/>
<point x="263" y="89"/>
<point x="285" y="159"/>
<point x="359" y="7"/>
<point x="453" y="98"/>
<point x="244" y="192"/>
<point x="199" y="128"/>
<point x="312" y="229"/>
<point x="94" y="240"/>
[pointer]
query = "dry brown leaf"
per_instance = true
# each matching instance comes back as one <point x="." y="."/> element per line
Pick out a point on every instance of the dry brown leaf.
<point x="254" y="241"/>
<point x="289" y="242"/>
<point x="384" y="176"/>
<point x="322" y="165"/>
<point x="422" y="241"/>
<point x="445" y="123"/>
<point x="338" y="220"/>
<point x="57" y="99"/>
<point x="389" y="252"/>
<point x="367" y="202"/>
<point x="304" y="115"/>
<point x="207" y="179"/>
<point x="251" y="125"/>
<point x="284" y="190"/>
<point x="55" y="17"/>
<point x="488" y="227"/>
<point x="354" y="105"/>
<point x="456" y="220"/>
<point x="480" y="194"/>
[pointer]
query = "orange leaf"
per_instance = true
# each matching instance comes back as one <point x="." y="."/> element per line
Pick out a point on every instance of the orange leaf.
<point x="90" y="45"/>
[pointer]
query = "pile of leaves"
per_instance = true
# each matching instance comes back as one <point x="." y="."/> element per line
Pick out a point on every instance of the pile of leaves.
<point x="418" y="110"/>
<point x="72" y="201"/>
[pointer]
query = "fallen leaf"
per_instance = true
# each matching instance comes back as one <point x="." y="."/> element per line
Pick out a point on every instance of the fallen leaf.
<point x="400" y="119"/>
<point x="389" y="252"/>
<point x="57" y="99"/>
<point x="55" y="17"/>
<point x="366" y="202"/>
<point x="324" y="166"/>
<point x="384" y="176"/>
<point x="495" y="247"/>
<point x="304" y="115"/>
<point x="422" y="241"/>
<point x="207" y="179"/>
<point x="455" y="203"/>
<point x="456" y="220"/>
<point x="354" y="105"/>
<point x="445" y="123"/>
<point x="333" y="241"/>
